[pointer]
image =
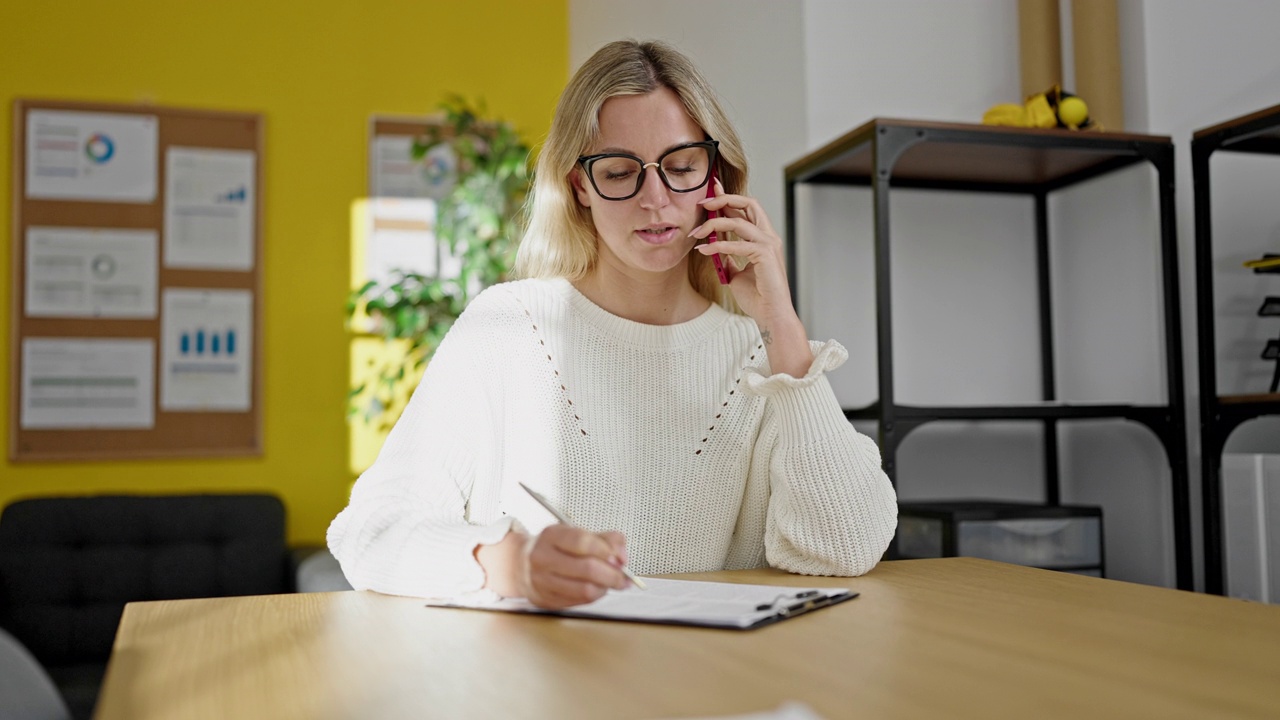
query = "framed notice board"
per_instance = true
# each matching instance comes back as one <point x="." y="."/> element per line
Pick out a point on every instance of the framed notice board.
<point x="393" y="173"/>
<point x="136" y="326"/>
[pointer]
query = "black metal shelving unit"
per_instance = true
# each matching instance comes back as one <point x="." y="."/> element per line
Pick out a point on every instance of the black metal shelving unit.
<point x="1220" y="415"/>
<point x="887" y="153"/>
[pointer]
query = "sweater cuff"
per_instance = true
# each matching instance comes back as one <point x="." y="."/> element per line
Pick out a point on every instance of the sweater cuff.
<point x="473" y="579"/>
<point x="826" y="357"/>
<point x="807" y="408"/>
<point x="438" y="561"/>
<point x="474" y="591"/>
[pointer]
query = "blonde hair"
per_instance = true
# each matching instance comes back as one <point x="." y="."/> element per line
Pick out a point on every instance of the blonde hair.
<point x="560" y="238"/>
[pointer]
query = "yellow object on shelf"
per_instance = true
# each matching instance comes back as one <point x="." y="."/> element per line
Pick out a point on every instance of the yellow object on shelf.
<point x="1263" y="263"/>
<point x="1052" y="108"/>
<point x="1073" y="112"/>
<point x="1005" y="114"/>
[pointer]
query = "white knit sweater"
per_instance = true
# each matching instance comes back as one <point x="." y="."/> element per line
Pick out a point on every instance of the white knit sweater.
<point x="676" y="435"/>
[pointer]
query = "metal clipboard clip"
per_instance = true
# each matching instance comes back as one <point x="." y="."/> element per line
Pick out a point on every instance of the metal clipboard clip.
<point x="789" y="605"/>
<point x="786" y="603"/>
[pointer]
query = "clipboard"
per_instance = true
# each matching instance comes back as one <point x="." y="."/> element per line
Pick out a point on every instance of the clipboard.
<point x="727" y="606"/>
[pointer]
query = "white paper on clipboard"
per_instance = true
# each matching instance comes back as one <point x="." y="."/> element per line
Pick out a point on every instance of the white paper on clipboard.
<point x="730" y="606"/>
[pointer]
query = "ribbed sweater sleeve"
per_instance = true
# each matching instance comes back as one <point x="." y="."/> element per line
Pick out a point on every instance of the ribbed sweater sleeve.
<point x="406" y="529"/>
<point x="831" y="509"/>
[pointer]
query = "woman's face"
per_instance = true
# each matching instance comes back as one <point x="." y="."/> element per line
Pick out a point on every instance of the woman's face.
<point x="650" y="231"/>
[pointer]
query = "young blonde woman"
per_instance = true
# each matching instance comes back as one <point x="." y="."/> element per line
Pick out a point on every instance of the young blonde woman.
<point x="619" y="380"/>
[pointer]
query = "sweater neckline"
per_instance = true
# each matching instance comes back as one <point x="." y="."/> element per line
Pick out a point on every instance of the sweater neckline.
<point x="637" y="333"/>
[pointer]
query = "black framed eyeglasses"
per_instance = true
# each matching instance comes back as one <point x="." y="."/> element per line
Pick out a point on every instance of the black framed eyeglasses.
<point x="619" y="176"/>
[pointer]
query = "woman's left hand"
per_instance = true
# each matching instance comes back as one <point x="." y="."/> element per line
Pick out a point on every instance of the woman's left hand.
<point x="760" y="286"/>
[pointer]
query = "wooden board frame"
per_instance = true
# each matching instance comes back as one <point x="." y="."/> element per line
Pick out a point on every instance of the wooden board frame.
<point x="174" y="434"/>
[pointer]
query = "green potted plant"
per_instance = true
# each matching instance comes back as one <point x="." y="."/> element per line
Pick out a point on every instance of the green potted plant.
<point x="477" y="221"/>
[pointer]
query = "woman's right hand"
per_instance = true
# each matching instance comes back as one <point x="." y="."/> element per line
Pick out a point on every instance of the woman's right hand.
<point x="560" y="567"/>
<point x="568" y="566"/>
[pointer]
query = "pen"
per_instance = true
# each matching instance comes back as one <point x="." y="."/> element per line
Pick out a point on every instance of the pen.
<point x="565" y="520"/>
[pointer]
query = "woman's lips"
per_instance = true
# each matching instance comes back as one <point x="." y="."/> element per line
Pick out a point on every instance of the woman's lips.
<point x="652" y="237"/>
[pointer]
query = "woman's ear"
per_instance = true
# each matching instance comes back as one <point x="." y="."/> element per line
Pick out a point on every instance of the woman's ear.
<point x="579" y="189"/>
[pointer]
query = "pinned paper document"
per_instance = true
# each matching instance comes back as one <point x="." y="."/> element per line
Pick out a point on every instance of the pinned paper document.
<point x="395" y="173"/>
<point x="206" y="350"/>
<point x="90" y="272"/>
<point x="210" y="196"/>
<point x="105" y="157"/>
<point x="74" y="383"/>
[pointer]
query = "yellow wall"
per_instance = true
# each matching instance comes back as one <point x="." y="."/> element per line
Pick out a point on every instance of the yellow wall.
<point x="316" y="71"/>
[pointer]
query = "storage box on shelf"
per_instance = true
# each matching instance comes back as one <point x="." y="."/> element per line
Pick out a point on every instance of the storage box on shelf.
<point x="1061" y="537"/>
<point x="886" y="153"/>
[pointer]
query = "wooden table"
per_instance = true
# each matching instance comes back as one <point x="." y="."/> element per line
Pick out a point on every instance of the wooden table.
<point x="956" y="637"/>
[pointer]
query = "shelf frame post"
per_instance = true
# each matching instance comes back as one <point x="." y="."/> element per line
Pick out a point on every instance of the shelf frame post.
<point x="887" y="145"/>
<point x="1211" y="439"/>
<point x="1174" y="437"/>
<point x="1048" y="370"/>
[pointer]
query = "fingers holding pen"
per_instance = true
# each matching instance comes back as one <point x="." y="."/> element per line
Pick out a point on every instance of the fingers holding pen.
<point x="571" y="566"/>
<point x="618" y="544"/>
<point x="555" y="592"/>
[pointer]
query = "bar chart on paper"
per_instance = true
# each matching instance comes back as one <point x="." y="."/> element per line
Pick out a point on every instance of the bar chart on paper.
<point x="205" y="353"/>
<point x="200" y="342"/>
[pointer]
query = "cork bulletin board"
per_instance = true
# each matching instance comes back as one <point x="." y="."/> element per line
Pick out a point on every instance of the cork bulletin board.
<point x="136" y="282"/>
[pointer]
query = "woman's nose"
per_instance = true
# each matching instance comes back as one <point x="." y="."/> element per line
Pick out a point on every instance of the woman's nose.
<point x="653" y="193"/>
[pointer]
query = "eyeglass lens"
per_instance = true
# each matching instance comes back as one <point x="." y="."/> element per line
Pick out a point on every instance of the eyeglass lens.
<point x="682" y="169"/>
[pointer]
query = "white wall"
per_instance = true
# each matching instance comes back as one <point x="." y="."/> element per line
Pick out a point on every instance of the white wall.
<point x="797" y="75"/>
<point x="934" y="59"/>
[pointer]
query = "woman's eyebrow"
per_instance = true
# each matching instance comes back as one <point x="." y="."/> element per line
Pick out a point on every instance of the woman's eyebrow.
<point x="627" y="151"/>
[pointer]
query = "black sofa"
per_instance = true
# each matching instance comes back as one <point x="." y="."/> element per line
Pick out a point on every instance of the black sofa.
<point x="68" y="565"/>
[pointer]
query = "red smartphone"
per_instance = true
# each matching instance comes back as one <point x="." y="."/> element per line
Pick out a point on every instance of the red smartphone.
<point x="711" y="215"/>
